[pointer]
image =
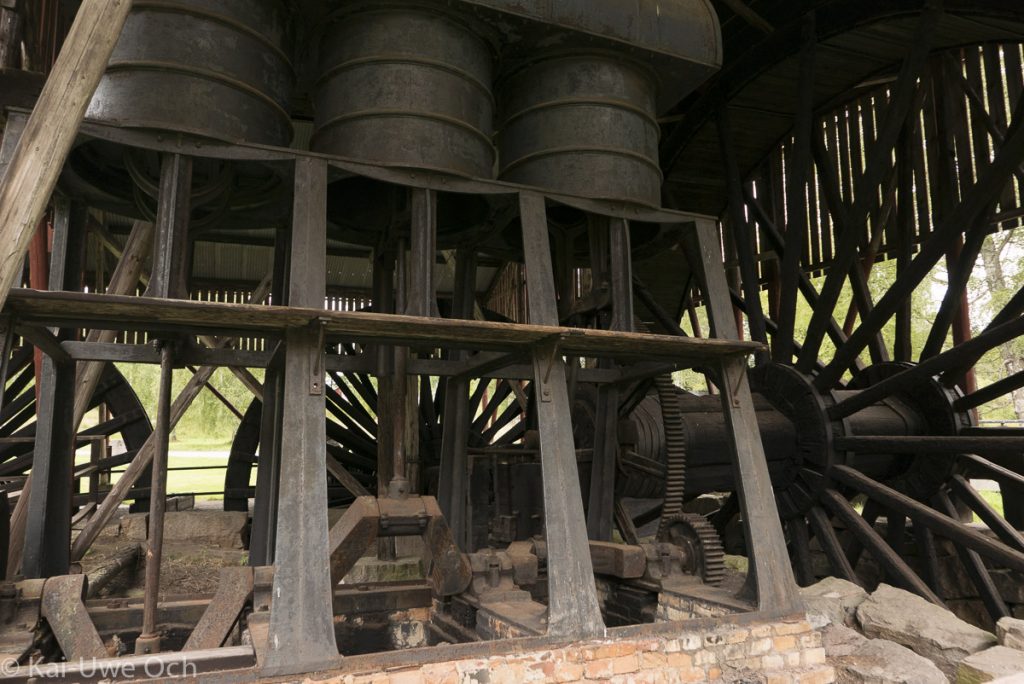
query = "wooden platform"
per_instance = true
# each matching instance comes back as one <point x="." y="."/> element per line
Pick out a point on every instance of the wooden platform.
<point x="77" y="310"/>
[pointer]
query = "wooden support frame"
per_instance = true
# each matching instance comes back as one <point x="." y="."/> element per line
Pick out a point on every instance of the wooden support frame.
<point x="573" y="609"/>
<point x="29" y="181"/>
<point x="47" y="511"/>
<point x="776" y="587"/>
<point x="301" y="632"/>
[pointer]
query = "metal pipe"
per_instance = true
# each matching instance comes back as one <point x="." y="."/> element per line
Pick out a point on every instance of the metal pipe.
<point x="149" y="640"/>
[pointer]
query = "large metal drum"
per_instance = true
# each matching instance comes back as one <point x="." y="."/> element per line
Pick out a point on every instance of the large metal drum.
<point x="582" y="123"/>
<point x="213" y="68"/>
<point x="406" y="84"/>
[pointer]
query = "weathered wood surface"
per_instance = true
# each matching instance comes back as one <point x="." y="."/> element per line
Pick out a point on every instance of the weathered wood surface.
<point x="29" y="181"/>
<point x="105" y="311"/>
<point x="142" y="459"/>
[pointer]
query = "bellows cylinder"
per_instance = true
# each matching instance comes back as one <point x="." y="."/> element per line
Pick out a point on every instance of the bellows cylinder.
<point x="406" y="84"/>
<point x="582" y="123"/>
<point x="212" y="68"/>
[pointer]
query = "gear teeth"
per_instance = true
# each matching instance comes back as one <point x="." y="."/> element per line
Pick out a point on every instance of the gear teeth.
<point x="712" y="553"/>
<point x="675" y="449"/>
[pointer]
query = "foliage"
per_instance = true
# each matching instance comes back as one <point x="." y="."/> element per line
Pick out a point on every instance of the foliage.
<point x="208" y="422"/>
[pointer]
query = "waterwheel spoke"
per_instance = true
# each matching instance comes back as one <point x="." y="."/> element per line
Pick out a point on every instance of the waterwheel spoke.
<point x="502" y="392"/>
<point x="991" y="181"/>
<point x="879" y="162"/>
<point x="896" y="533"/>
<point x="770" y="325"/>
<point x="346" y="414"/>
<point x="114" y="425"/>
<point x="970" y="496"/>
<point x="800" y="542"/>
<point x="744" y="237"/>
<point x="352" y="408"/>
<point x="996" y="471"/>
<point x="510" y="414"/>
<point x="933" y="445"/>
<point x="924" y="515"/>
<point x="968" y="352"/>
<point x="854" y="545"/>
<point x="976" y="569"/>
<point x="13" y="414"/>
<point x="829" y="543"/>
<point x="810" y="295"/>
<point x="798" y="168"/>
<point x="991" y="392"/>
<point x="894" y="566"/>
<point x="844" y="222"/>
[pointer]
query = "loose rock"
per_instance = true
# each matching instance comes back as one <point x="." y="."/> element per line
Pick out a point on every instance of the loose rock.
<point x="990" y="665"/>
<point x="878" y="661"/>
<point x="1011" y="633"/>
<point x="921" y="626"/>
<point x="833" y="600"/>
<point x="219" y="529"/>
<point x="839" y="641"/>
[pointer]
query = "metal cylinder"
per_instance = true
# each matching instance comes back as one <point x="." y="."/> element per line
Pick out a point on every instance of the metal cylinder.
<point x="582" y="123"/>
<point x="406" y="84"/>
<point x="212" y="68"/>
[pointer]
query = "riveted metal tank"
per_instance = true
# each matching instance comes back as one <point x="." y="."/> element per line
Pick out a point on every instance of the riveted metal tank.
<point x="583" y="124"/>
<point x="213" y="68"/>
<point x="406" y="84"/>
<point x="582" y="86"/>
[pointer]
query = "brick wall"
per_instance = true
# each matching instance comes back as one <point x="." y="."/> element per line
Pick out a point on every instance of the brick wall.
<point x="770" y="653"/>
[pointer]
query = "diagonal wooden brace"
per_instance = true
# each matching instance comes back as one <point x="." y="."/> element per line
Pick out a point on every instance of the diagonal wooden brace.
<point x="63" y="609"/>
<point x="225" y="608"/>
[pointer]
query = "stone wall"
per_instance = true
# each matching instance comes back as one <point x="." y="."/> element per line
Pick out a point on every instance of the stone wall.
<point x="768" y="653"/>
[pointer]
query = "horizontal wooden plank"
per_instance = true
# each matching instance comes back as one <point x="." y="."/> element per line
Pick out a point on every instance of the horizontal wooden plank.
<point x="73" y="309"/>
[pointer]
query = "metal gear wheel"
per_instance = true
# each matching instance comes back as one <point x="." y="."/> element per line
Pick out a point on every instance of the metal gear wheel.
<point x="698" y="538"/>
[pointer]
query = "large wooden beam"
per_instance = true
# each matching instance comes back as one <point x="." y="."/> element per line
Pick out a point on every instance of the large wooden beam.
<point x="301" y="635"/>
<point x="29" y="181"/>
<point x="573" y="607"/>
<point x="776" y="586"/>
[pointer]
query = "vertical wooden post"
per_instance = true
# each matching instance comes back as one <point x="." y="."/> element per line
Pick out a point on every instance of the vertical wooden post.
<point x="268" y="469"/>
<point x="453" y="485"/>
<point x="301" y="635"/>
<point x="168" y="278"/>
<point x="149" y="640"/>
<point x="573" y="608"/>
<point x="10" y="35"/>
<point x="28" y="182"/>
<point x="47" y="543"/>
<point x="776" y="588"/>
<point x="619" y="270"/>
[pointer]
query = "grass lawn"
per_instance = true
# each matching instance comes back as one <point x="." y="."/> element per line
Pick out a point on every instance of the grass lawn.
<point x="204" y="474"/>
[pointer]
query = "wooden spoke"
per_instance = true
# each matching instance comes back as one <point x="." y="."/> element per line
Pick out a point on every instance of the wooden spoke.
<point x="895" y="567"/>
<point x="991" y="392"/>
<point x="798" y="168"/>
<point x="970" y="496"/>
<point x="800" y="543"/>
<point x="879" y="161"/>
<point x="966" y="353"/>
<point x="923" y="515"/>
<point x="990" y="182"/>
<point x="976" y="569"/>
<point x="744" y="237"/>
<point x="989" y="445"/>
<point x="854" y="545"/>
<point x="829" y="543"/>
<point x="998" y="472"/>
<point x="844" y="224"/>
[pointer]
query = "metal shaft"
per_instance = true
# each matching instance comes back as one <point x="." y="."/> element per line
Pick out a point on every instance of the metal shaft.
<point x="158" y="494"/>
